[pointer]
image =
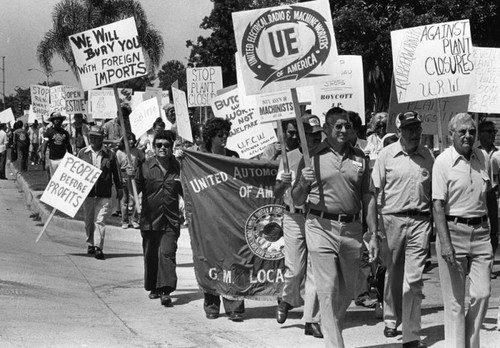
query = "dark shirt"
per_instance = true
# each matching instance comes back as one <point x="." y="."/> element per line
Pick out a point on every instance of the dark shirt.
<point x="58" y="143"/>
<point x="160" y="195"/>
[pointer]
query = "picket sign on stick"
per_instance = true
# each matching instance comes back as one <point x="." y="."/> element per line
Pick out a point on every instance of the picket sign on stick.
<point x="300" y="128"/>
<point x="440" y="127"/>
<point x="127" y="148"/>
<point x="46" y="224"/>
<point x="284" y="156"/>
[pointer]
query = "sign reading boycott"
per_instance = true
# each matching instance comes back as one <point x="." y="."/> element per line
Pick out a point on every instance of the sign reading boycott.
<point x="143" y="116"/>
<point x="486" y="97"/>
<point x="433" y="61"/>
<point x="40" y="100"/>
<point x="285" y="47"/>
<point x="108" y="54"/>
<point x="203" y="84"/>
<point x="248" y="136"/>
<point x="240" y="253"/>
<point x="70" y="184"/>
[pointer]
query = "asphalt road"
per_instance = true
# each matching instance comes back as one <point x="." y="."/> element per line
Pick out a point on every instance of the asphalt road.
<point x="53" y="295"/>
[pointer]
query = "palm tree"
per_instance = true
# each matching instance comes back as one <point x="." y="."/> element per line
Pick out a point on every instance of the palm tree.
<point x="74" y="16"/>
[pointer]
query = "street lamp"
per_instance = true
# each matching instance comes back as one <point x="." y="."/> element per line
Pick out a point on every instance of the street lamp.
<point x="48" y="74"/>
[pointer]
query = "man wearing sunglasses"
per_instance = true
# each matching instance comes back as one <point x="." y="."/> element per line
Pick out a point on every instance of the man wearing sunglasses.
<point x="335" y="187"/>
<point x="401" y="178"/>
<point x="462" y="196"/>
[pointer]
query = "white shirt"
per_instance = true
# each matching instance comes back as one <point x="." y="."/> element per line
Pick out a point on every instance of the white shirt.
<point x="3" y="141"/>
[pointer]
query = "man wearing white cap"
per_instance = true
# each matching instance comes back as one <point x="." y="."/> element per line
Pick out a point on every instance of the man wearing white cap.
<point x="58" y="141"/>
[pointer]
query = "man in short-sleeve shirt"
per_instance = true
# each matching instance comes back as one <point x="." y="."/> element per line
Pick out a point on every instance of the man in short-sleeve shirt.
<point x="402" y="177"/>
<point x="462" y="196"/>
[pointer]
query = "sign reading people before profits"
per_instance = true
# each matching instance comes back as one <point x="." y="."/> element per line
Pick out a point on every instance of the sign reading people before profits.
<point x="103" y="104"/>
<point x="182" y="119"/>
<point x="345" y="90"/>
<point x="486" y="97"/>
<point x="285" y="47"/>
<point x="143" y="116"/>
<point x="40" y="100"/>
<point x="248" y="136"/>
<point x="7" y="116"/>
<point x="75" y="100"/>
<point x="275" y="106"/>
<point x="203" y="84"/>
<point x="433" y="61"/>
<point x="108" y="54"/>
<point x="70" y="184"/>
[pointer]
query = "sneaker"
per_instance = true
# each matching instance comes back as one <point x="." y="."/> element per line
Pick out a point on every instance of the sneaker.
<point x="134" y="224"/>
<point x="91" y="250"/>
<point x="124" y="225"/>
<point x="379" y="310"/>
<point x="99" y="254"/>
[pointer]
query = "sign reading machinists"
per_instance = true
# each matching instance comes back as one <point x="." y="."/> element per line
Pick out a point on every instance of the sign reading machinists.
<point x="285" y="47"/>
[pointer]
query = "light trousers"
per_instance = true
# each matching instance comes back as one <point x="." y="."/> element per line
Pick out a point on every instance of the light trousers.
<point x="95" y="210"/>
<point x="335" y="250"/>
<point x="473" y="259"/>
<point x="404" y="253"/>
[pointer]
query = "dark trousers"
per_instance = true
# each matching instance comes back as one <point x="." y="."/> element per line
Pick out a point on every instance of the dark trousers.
<point x="211" y="305"/>
<point x="3" y="161"/>
<point x="159" y="249"/>
<point x="23" y="156"/>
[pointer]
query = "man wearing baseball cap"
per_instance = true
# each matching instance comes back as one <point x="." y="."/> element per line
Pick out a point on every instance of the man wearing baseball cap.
<point x="401" y="177"/>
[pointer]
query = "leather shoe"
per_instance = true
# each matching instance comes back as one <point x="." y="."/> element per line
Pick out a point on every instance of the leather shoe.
<point x="153" y="295"/>
<point x="99" y="254"/>
<point x="91" y="250"/>
<point x="313" y="329"/>
<point x="212" y="315"/>
<point x="235" y="316"/>
<point x="282" y="312"/>
<point x="414" y="344"/>
<point x="390" y="332"/>
<point x="166" y="300"/>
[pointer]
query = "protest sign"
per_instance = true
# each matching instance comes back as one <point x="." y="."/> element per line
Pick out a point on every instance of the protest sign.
<point x="248" y="137"/>
<point x="182" y="119"/>
<point x="345" y="90"/>
<point x="108" y="54"/>
<point x="137" y="98"/>
<point x="125" y="95"/>
<point x="70" y="184"/>
<point x="7" y="116"/>
<point x="275" y="106"/>
<point x="165" y="98"/>
<point x="285" y="47"/>
<point x="40" y="100"/>
<point x="430" y="110"/>
<point x="75" y="100"/>
<point x="240" y="253"/>
<point x="433" y="61"/>
<point x="143" y="117"/>
<point x="486" y="97"/>
<point x="58" y="100"/>
<point x="32" y="116"/>
<point x="103" y="104"/>
<point x="246" y="101"/>
<point x="203" y="84"/>
<point x="153" y="92"/>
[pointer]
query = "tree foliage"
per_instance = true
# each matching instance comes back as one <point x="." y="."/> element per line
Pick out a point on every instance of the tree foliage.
<point x="172" y="71"/>
<point x="74" y="16"/>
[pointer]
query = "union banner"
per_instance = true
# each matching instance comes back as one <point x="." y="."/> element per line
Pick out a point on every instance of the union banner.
<point x="235" y="224"/>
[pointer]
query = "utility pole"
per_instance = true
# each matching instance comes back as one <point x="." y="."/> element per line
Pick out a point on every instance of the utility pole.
<point x="3" y="82"/>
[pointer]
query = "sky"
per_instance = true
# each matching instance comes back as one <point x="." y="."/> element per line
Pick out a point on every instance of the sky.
<point x="23" y="24"/>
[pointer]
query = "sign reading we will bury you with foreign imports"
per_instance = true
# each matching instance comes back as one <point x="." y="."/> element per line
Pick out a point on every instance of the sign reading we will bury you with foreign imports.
<point x="70" y="184"/>
<point x="433" y="61"/>
<point x="203" y="84"/>
<point x="285" y="47"/>
<point x="486" y="97"/>
<point x="108" y="54"/>
<point x="248" y="136"/>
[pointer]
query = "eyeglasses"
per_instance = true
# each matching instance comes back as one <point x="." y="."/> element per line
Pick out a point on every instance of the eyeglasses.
<point x="463" y="132"/>
<point x="165" y="145"/>
<point x="339" y="126"/>
<point x="223" y="134"/>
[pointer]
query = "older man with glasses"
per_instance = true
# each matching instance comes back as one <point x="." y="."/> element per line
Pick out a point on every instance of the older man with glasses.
<point x="401" y="178"/>
<point x="462" y="196"/>
<point x="335" y="187"/>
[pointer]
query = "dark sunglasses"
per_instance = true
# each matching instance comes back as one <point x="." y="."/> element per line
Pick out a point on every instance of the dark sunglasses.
<point x="339" y="127"/>
<point x="165" y="145"/>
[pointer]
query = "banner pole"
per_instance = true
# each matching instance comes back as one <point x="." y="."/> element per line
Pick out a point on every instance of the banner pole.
<point x="440" y="127"/>
<point x="45" y="225"/>
<point x="127" y="148"/>
<point x="281" y="139"/>
<point x="300" y="128"/>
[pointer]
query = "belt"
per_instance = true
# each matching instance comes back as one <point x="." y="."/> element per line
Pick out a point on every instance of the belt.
<point x="468" y="221"/>
<point x="412" y="213"/>
<point x="296" y="210"/>
<point x="334" y="217"/>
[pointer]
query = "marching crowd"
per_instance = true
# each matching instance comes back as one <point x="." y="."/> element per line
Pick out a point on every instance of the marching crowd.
<point x="356" y="210"/>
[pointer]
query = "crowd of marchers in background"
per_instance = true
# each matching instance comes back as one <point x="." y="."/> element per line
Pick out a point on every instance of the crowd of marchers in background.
<point x="368" y="203"/>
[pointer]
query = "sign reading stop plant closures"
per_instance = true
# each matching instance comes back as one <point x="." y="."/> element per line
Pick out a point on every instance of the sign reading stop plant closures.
<point x="248" y="136"/>
<point x="203" y="84"/>
<point x="486" y="97"/>
<point x="40" y="101"/>
<point x="433" y="61"/>
<point x="70" y="184"/>
<point x="108" y="54"/>
<point x="285" y="47"/>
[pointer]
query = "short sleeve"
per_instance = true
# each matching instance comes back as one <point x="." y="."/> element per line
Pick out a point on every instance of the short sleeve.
<point x="439" y="179"/>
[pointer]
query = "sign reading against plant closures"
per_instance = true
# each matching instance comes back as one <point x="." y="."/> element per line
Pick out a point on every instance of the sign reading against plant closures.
<point x="433" y="61"/>
<point x="286" y="46"/>
<point x="108" y="54"/>
<point x="70" y="184"/>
